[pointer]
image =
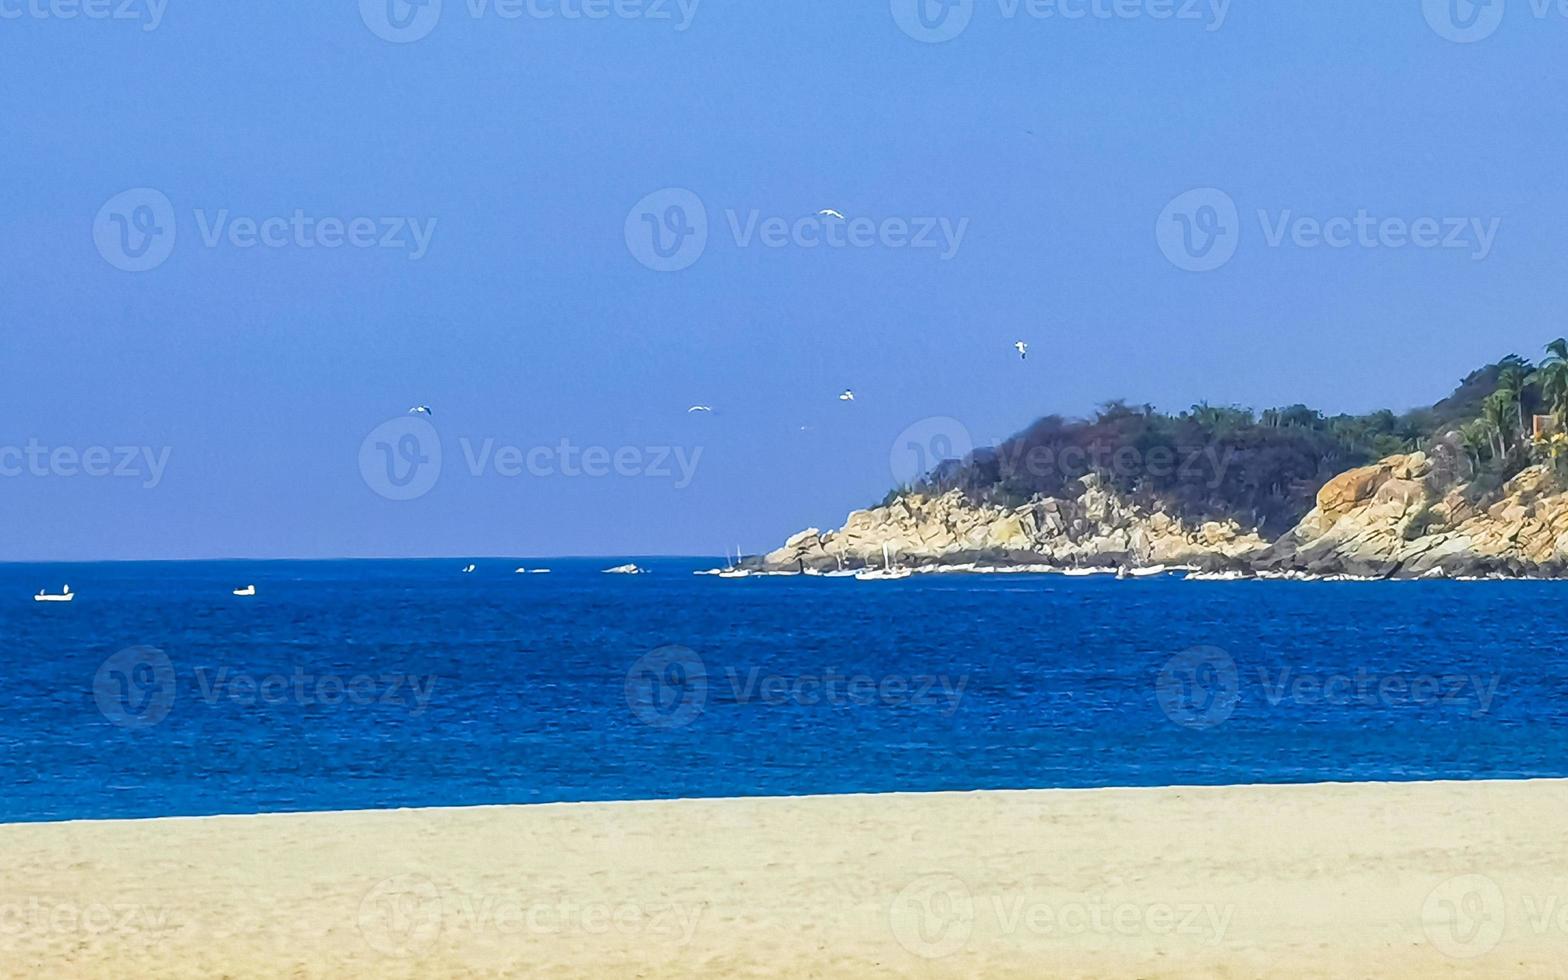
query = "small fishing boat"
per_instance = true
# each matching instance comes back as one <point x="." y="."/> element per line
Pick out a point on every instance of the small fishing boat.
<point x="66" y="595"/>
<point x="246" y="592"/>
<point x="887" y="572"/>
<point x="734" y="570"/>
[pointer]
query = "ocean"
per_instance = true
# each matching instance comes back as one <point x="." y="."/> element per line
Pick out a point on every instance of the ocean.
<point x="373" y="684"/>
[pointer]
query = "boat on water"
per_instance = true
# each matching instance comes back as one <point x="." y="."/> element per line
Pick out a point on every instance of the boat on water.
<point x="886" y="572"/>
<point x="625" y="570"/>
<point x="65" y="595"/>
<point x="1085" y="572"/>
<point x="734" y="570"/>
<point x="1147" y="571"/>
<point x="246" y="592"/>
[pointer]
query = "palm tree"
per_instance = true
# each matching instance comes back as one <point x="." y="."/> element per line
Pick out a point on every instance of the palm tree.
<point x="1552" y="379"/>
<point x="1473" y="436"/>
<point x="1513" y="376"/>
<point x="1496" y="411"/>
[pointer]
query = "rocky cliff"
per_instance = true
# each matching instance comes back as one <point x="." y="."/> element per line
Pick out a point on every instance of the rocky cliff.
<point x="1096" y="528"/>
<point x="1393" y="519"/>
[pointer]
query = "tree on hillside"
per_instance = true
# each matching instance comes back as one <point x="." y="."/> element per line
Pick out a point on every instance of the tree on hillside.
<point x="1551" y="378"/>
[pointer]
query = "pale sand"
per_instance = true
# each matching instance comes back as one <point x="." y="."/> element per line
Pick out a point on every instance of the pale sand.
<point x="1408" y="880"/>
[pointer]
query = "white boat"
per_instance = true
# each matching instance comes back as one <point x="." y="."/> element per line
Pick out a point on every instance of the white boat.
<point x="249" y="590"/>
<point x="1083" y="572"/>
<point x="733" y="570"/>
<point x="66" y="595"/>
<point x="1148" y="571"/>
<point x="887" y="572"/>
<point x="625" y="570"/>
<point x="540" y="571"/>
<point x="841" y="571"/>
<point x="469" y="570"/>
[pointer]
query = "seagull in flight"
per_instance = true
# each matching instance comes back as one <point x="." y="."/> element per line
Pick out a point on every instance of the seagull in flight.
<point x="847" y="395"/>
<point x="420" y="410"/>
<point x="704" y="409"/>
<point x="1022" y="347"/>
<point x="830" y="213"/>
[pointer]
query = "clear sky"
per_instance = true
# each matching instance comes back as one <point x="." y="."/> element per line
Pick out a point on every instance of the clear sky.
<point x="1023" y="178"/>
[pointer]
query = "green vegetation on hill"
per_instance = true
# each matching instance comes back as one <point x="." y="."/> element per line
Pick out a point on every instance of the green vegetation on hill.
<point x="1265" y="469"/>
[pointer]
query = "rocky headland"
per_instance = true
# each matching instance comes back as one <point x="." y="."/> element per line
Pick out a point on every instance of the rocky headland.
<point x="1396" y="518"/>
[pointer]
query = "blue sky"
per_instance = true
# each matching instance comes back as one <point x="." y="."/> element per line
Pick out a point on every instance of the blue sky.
<point x="530" y="315"/>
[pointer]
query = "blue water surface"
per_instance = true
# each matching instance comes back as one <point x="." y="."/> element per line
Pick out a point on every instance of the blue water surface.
<point x="365" y="684"/>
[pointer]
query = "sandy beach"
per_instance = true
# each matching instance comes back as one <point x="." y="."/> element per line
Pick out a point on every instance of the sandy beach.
<point x="1332" y="880"/>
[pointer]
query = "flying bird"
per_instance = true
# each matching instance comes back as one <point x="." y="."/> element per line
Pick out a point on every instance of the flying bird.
<point x="699" y="408"/>
<point x="846" y="395"/>
<point x="420" y="410"/>
<point x="830" y="213"/>
<point x="1023" y="349"/>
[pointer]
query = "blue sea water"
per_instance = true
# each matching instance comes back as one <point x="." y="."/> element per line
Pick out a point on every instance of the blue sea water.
<point x="366" y="684"/>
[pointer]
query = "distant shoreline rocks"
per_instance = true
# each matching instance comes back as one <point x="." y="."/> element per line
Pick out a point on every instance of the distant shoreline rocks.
<point x="1390" y="520"/>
